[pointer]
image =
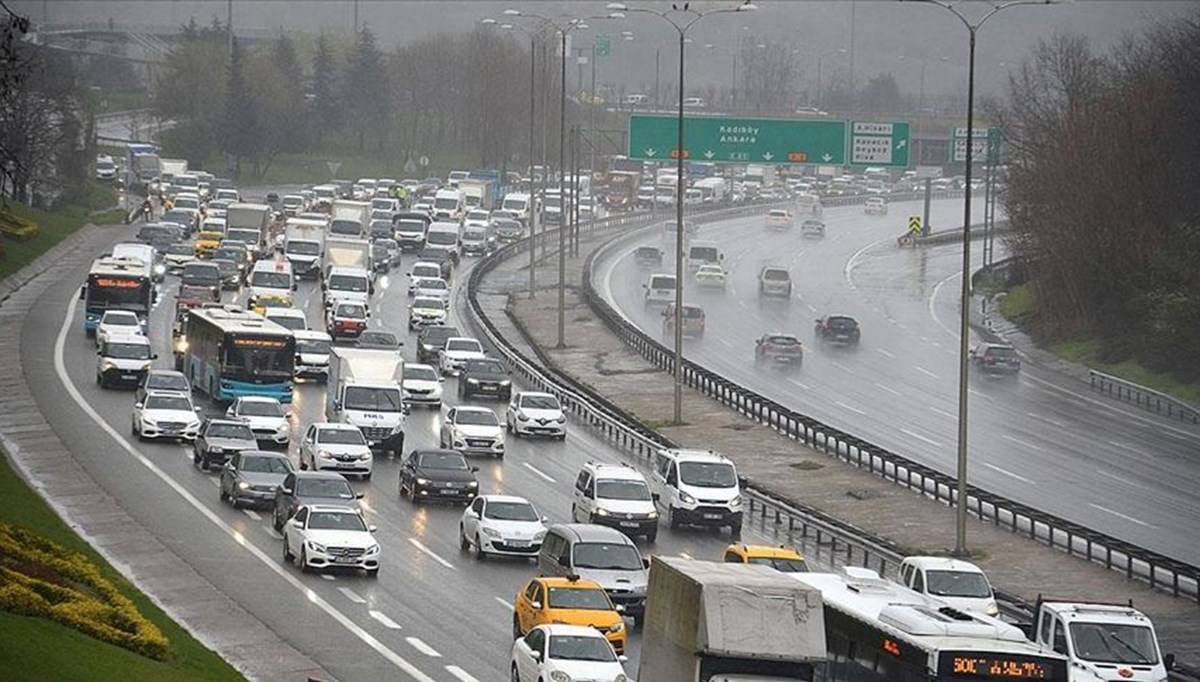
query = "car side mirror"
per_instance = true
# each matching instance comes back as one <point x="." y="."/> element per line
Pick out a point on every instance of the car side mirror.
<point x="295" y="287"/>
<point x="620" y="608"/>
<point x="1169" y="661"/>
<point x="137" y="406"/>
<point x="645" y="563"/>
<point x="285" y="491"/>
<point x="372" y="528"/>
<point x="545" y="519"/>
<point x="536" y="605"/>
<point x="196" y="409"/>
<point x="654" y="497"/>
<point x="359" y="496"/>
<point x="622" y="658"/>
<point x="474" y="470"/>
<point x="441" y="380"/>
<point x="154" y="356"/>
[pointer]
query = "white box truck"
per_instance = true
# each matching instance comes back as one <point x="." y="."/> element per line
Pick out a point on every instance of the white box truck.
<point x="303" y="244"/>
<point x="710" y="622"/>
<point x="249" y="223"/>
<point x="350" y="218"/>
<point x="760" y="176"/>
<point x="365" y="390"/>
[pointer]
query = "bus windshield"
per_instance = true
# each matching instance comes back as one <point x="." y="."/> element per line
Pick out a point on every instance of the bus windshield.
<point x="255" y="359"/>
<point x="119" y="293"/>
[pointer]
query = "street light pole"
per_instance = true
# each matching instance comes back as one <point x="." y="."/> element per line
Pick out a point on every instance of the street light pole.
<point x="681" y="27"/>
<point x="960" y="534"/>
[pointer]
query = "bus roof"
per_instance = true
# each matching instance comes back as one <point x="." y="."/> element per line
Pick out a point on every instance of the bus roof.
<point x="120" y="266"/>
<point x="236" y="320"/>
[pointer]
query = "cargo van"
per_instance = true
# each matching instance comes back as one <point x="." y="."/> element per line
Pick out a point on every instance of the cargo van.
<point x="693" y="321"/>
<point x="272" y="278"/>
<point x="601" y="554"/>
<point x="660" y="289"/>
<point x="703" y="254"/>
<point x="444" y="235"/>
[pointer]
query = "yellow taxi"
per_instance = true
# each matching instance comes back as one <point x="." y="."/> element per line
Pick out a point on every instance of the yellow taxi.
<point x="207" y="242"/>
<point x="571" y="601"/>
<point x="260" y="303"/>
<point x="784" y="559"/>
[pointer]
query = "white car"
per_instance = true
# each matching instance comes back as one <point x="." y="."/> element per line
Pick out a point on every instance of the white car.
<point x="501" y="524"/>
<point x="478" y="218"/>
<point x="426" y="311"/>
<point x="456" y="352"/>
<point x="291" y="318"/>
<point x="779" y="219"/>
<point x="711" y="277"/>
<point x="421" y="385"/>
<point x="325" y="536"/>
<point x="535" y="414"/>
<point x="472" y="431"/>
<point x="166" y="414"/>
<point x="422" y="270"/>
<point x="123" y="360"/>
<point x="431" y="287"/>
<point x="565" y="652"/>
<point x="118" y="323"/>
<point x="265" y="416"/>
<point x="336" y="447"/>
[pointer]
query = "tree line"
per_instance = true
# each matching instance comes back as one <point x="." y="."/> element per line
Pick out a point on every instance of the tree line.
<point x="1105" y="162"/>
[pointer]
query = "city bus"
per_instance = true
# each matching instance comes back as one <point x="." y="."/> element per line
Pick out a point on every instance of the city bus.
<point x="877" y="630"/>
<point x="116" y="284"/>
<point x="227" y="352"/>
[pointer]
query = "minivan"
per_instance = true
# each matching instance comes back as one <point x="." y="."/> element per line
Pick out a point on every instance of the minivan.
<point x="206" y="275"/>
<point x="693" y="321"/>
<point x="960" y="584"/>
<point x="604" y="555"/>
<point x="698" y="488"/>
<point x="660" y="289"/>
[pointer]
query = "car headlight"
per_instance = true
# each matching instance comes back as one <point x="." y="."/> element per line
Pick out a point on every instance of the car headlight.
<point x="505" y="383"/>
<point x="686" y="498"/>
<point x="541" y="535"/>
<point x="473" y="382"/>
<point x="562" y="419"/>
<point x="653" y="514"/>
<point x="146" y="421"/>
<point x="282" y="428"/>
<point x="373" y="549"/>
<point x="491" y="532"/>
<point x="215" y="450"/>
<point x="315" y="547"/>
<point x="106" y="366"/>
<point x="473" y="484"/>
<point x="992" y="609"/>
<point x="521" y="416"/>
<point x="422" y="481"/>
<point x="736" y="502"/>
<point x="324" y="454"/>
<point x="559" y="676"/>
<point x="621" y="678"/>
<point x="365" y="456"/>
<point x="602" y="512"/>
<point x="619" y="626"/>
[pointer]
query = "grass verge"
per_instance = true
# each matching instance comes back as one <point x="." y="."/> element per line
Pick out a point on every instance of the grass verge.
<point x="35" y="649"/>
<point x="1019" y="307"/>
<point x="56" y="225"/>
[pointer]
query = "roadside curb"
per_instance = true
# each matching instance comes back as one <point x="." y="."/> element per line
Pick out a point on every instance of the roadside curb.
<point x="48" y="466"/>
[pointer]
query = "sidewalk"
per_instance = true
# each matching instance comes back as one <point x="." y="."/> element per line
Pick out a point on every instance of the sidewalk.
<point x="773" y="463"/>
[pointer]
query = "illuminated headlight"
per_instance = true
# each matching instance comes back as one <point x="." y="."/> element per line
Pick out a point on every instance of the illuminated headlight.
<point x="160" y="269"/>
<point x="601" y="512"/>
<point x="992" y="609"/>
<point x="315" y="547"/>
<point x="243" y="486"/>
<point x="282" y="428"/>
<point x="373" y="549"/>
<point x="473" y="382"/>
<point x="653" y="514"/>
<point x="422" y="481"/>
<point x="505" y="383"/>
<point x="322" y="454"/>
<point x="473" y="484"/>
<point x="736" y="502"/>
<point x="106" y="366"/>
<point x="686" y="498"/>
<point x="491" y="533"/>
<point x="559" y="676"/>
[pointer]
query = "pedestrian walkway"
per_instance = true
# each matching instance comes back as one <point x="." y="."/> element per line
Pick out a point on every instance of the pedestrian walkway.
<point x="1021" y="567"/>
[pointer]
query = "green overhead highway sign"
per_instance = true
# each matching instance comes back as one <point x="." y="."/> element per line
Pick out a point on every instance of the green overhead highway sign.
<point x="769" y="140"/>
<point x="985" y="145"/>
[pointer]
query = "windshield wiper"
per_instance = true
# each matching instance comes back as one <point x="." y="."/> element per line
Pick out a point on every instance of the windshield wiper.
<point x="1137" y="652"/>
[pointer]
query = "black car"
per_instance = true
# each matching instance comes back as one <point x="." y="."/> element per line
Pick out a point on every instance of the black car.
<point x="159" y="235"/>
<point x="484" y="377"/>
<point x="205" y="275"/>
<point x="373" y="338"/>
<point x="231" y="274"/>
<point x="431" y="340"/>
<point x="381" y="260"/>
<point x="301" y="488"/>
<point x="438" y="475"/>
<point x="161" y="380"/>
<point x="443" y="257"/>
<point x="841" y="329"/>
<point x="648" y="255"/>
<point x="219" y="438"/>
<point x="995" y="358"/>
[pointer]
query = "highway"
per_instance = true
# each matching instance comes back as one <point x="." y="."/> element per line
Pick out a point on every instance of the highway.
<point x="1040" y="439"/>
<point x="432" y="614"/>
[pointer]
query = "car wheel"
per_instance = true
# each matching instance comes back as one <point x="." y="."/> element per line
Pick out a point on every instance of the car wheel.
<point x="195" y="456"/>
<point x="735" y="531"/>
<point x="287" y="552"/>
<point x="652" y="536"/>
<point x="373" y="573"/>
<point x="638" y="619"/>
<point x="562" y="436"/>
<point x="516" y="676"/>
<point x="304" y="560"/>
<point x="222" y="494"/>
<point x="303" y="465"/>
<point x="674" y="522"/>
<point x="516" y="627"/>
<point x="463" y="543"/>
<point x="204" y="463"/>
<point x="366" y="476"/>
<point x="276" y="521"/>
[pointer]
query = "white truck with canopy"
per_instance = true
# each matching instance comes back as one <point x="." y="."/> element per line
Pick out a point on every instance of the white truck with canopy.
<point x="303" y="244"/>
<point x="364" y="390"/>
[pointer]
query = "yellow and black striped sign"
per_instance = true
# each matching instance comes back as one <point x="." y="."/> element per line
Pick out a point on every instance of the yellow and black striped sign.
<point x="914" y="224"/>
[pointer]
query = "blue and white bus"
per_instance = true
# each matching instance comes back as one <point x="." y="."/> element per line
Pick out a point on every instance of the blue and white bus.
<point x="116" y="284"/>
<point x="227" y="353"/>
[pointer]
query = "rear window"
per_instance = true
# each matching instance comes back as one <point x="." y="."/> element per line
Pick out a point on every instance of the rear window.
<point x="775" y="275"/>
<point x="662" y="283"/>
<point x="1000" y="352"/>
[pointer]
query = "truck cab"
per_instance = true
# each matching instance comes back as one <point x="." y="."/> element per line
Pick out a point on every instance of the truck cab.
<point x="1101" y="641"/>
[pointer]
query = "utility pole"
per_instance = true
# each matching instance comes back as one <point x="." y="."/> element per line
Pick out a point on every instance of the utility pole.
<point x="229" y="26"/>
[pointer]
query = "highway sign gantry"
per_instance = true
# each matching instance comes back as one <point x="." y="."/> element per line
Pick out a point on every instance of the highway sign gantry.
<point x="721" y="139"/>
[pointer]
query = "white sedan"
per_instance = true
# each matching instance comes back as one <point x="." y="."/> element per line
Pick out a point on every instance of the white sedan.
<point x="501" y="524"/>
<point x="535" y="414"/>
<point x="457" y="351"/>
<point x="422" y="270"/>
<point x="565" y="652"/>
<point x="166" y="414"/>
<point x="421" y="385"/>
<point x="118" y="323"/>
<point x="426" y="311"/>
<point x="431" y="287"/>
<point x="472" y="431"/>
<point x="711" y="276"/>
<point x="265" y="416"/>
<point x="320" y="536"/>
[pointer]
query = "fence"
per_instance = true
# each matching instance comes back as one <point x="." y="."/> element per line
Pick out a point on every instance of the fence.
<point x="1145" y="398"/>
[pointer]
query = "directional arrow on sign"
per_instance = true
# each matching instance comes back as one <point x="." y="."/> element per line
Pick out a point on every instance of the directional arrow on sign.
<point x="651" y="152"/>
<point x="827" y="158"/>
<point x="709" y="154"/>
<point x="901" y="144"/>
<point x="768" y="156"/>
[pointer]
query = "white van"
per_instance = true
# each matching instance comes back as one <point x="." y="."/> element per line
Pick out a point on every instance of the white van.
<point x="703" y="254"/>
<point x="448" y="205"/>
<point x="272" y="278"/>
<point x="518" y="203"/>
<point x="698" y="488"/>
<point x="960" y="584"/>
<point x="660" y="289"/>
<point x="615" y="495"/>
<point x="445" y="235"/>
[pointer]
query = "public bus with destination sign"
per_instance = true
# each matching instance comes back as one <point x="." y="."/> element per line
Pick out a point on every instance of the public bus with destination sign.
<point x="116" y="284"/>
<point x="227" y="353"/>
<point x="878" y="630"/>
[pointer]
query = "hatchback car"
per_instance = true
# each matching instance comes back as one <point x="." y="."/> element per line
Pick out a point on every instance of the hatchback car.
<point x="779" y="349"/>
<point x="119" y="323"/>
<point x="693" y="320"/>
<point x="484" y="376"/>
<point x="838" y="329"/>
<point x="535" y="414"/>
<point x="501" y="524"/>
<point x="432" y="340"/>
<point x="253" y="477"/>
<point x="346" y="320"/>
<point x="421" y="385"/>
<point x="647" y="256"/>
<point x="300" y="488"/>
<point x="566" y="652"/>
<point x="995" y="358"/>
<point x="812" y="228"/>
<point x="473" y="430"/>
<point x="265" y="416"/>
<point x="438" y="475"/>
<point x="774" y="281"/>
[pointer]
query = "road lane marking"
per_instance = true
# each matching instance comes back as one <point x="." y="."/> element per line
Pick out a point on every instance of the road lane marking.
<point x="1122" y="479"/>
<point x="943" y="412"/>
<point x="799" y="383"/>
<point x="422" y="647"/>
<point x="1023" y="443"/>
<point x="269" y="561"/>
<point x="429" y="552"/>
<point x="724" y="342"/>
<point x="273" y="533"/>
<point x="933" y="305"/>
<point x="840" y="366"/>
<point x="215" y="481"/>
<point x="460" y="673"/>
<point x="685" y="555"/>
<point x="539" y="472"/>
<point x="1006" y="472"/>
<point x="981" y="395"/>
<point x="505" y="604"/>
<point x="1048" y="420"/>
<point x="1123" y="516"/>
<point x="384" y="620"/>
<point x="852" y="409"/>
<point x="924" y="371"/>
<point x="918" y="436"/>
<point x="326" y="576"/>
<point x="351" y="595"/>
<point x="889" y="389"/>
<point x="252" y="514"/>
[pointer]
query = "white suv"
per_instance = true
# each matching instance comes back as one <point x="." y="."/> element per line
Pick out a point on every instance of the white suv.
<point x="698" y="488"/>
<point x="615" y="495"/>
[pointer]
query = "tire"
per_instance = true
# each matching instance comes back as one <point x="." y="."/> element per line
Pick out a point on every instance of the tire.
<point x="366" y="476"/>
<point x="195" y="457"/>
<point x="276" y="522"/>
<point x="638" y="620"/>
<point x="288" y="557"/>
<point x="735" y="531"/>
<point x="304" y="561"/>
<point x="223" y="495"/>
<point x="204" y="463"/>
<point x="480" y="555"/>
<point x="463" y="544"/>
<point x="672" y="521"/>
<point x="652" y="536"/>
<point x="373" y="573"/>
<point x="561" y="437"/>
<point x="574" y="511"/>
<point x="516" y="628"/>
<point x="515" y="676"/>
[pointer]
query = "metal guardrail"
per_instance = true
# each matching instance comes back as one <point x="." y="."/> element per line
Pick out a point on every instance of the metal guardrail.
<point x="1163" y="572"/>
<point x="1143" y="397"/>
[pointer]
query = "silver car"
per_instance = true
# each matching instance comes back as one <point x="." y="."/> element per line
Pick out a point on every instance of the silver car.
<point x="253" y="477"/>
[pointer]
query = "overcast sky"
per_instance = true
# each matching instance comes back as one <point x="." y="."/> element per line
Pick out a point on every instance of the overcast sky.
<point x="887" y="36"/>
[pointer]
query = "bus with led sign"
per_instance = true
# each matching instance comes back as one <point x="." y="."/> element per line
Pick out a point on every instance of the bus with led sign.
<point x="228" y="352"/>
<point x="877" y="630"/>
<point x="116" y="284"/>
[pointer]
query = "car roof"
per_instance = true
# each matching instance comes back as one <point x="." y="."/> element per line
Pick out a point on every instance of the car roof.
<point x="168" y="394"/>
<point x="475" y="409"/>
<point x="137" y="339"/>
<point x="257" y="399"/>
<point x="766" y="551"/>
<point x="335" y="426"/>
<point x="311" y="334"/>
<point x="462" y="338"/>
<point x="329" y="475"/>
<point x="535" y="394"/>
<point x="503" y="498"/>
<point x="336" y="508"/>
<point x="619" y="471"/>
<point x="165" y="373"/>
<point x="684" y="455"/>
<point x="587" y="532"/>
<point x="561" y="581"/>
<point x="943" y="564"/>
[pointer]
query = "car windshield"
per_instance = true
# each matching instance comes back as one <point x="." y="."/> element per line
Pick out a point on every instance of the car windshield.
<point x="957" y="584"/>
<point x="420" y="373"/>
<point x="348" y="283"/>
<point x="775" y="275"/>
<point x="781" y="564"/>
<point x="783" y="341"/>
<point x="304" y="248"/>
<point x="379" y="340"/>
<point x="708" y="474"/>
<point x="228" y="430"/>
<point x="435" y="255"/>
<point x="842" y="322"/>
<point x="540" y="402"/>
<point x="464" y="345"/>
<point x="167" y="382"/>
<point x="179" y="249"/>
<point x="260" y="408"/>
<point x="293" y="322"/>
<point x="127" y="351"/>
<point x="324" y="487"/>
<point x="225" y="267"/>
<point x="352" y="311"/>
<point x="579" y="598"/>
<point x="662" y="283"/>
<point x="1000" y="352"/>
<point x="439" y="334"/>
<point x="1114" y="643"/>
<point x="475" y="234"/>
<point x="371" y="399"/>
<point x="426" y="303"/>
<point x="313" y="346"/>
<point x="442" y="237"/>
<point x="271" y="280"/>
<point x="266" y="464"/>
<point x="168" y="402"/>
<point x="451" y="461"/>
<point x="607" y="556"/>
<point x="324" y="520"/>
<point x="510" y="511"/>
<point x="622" y="489"/>
<point x="477" y="418"/>
<point x="340" y="437"/>
<point x="119" y="319"/>
<point x="484" y="367"/>
<point x="577" y="648"/>
<point x="703" y="253"/>
<point x="432" y="284"/>
<point x="410" y="226"/>
<point x="426" y="270"/>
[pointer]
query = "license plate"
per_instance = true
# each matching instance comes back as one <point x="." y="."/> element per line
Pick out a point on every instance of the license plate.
<point x="345" y="465"/>
<point x="629" y="524"/>
<point x="446" y="492"/>
<point x="128" y="376"/>
<point x="519" y="543"/>
<point x="345" y="560"/>
<point x="712" y="516"/>
<point x="488" y="388"/>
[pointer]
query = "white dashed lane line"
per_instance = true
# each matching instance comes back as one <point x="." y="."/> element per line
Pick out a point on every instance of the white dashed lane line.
<point x="460" y="673"/>
<point x="326" y="576"/>
<point x="539" y="472"/>
<point x="848" y="407"/>
<point x="422" y="647"/>
<point x="1024" y="443"/>
<point x="925" y="371"/>
<point x="252" y="514"/>
<point x="1122" y="516"/>
<point x="430" y="553"/>
<point x="1008" y="473"/>
<point x="889" y="389"/>
<point x="919" y="437"/>
<point x="352" y="595"/>
<point x="942" y="412"/>
<point x="885" y="353"/>
<point x="384" y="620"/>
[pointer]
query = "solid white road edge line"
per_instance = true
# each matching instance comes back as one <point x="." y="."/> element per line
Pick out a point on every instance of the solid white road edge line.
<point x="270" y="562"/>
<point x="504" y="603"/>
